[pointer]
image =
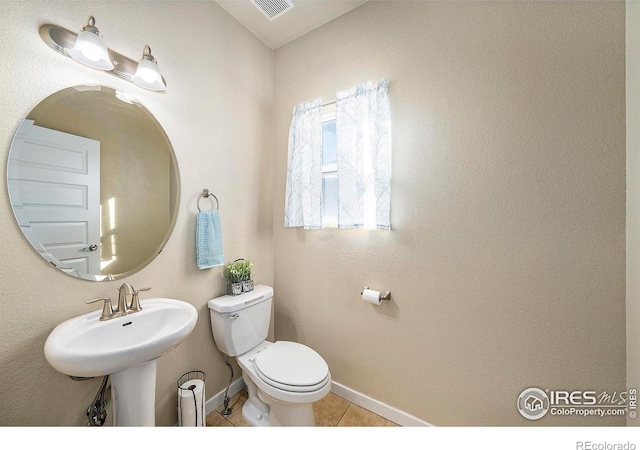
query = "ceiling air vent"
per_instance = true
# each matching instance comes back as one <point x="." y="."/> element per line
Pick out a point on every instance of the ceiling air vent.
<point x="273" y="8"/>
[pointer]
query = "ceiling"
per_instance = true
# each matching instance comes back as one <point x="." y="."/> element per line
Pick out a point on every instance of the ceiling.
<point x="304" y="17"/>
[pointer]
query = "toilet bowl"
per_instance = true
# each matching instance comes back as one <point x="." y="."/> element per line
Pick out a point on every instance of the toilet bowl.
<point x="288" y="377"/>
<point x="283" y="378"/>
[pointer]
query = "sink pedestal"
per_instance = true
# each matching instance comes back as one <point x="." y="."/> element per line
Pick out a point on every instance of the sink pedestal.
<point x="134" y="396"/>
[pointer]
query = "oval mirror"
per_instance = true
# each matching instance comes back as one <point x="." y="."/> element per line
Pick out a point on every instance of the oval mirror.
<point x="93" y="182"/>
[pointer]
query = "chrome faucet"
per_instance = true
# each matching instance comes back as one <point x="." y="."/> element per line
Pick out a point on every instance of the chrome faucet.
<point x="123" y="308"/>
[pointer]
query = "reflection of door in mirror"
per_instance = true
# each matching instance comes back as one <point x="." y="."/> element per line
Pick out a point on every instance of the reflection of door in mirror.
<point x="58" y="177"/>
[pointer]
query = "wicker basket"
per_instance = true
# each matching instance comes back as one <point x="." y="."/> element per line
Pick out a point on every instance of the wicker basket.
<point x="247" y="286"/>
<point x="240" y="288"/>
<point x="234" y="288"/>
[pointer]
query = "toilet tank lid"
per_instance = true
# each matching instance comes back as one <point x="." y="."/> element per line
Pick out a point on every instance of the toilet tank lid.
<point x="230" y="303"/>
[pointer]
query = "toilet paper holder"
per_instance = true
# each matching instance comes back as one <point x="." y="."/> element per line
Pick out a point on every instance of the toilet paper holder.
<point x="386" y="295"/>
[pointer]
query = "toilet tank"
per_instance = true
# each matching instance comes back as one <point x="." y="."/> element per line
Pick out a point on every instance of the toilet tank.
<point x="241" y="322"/>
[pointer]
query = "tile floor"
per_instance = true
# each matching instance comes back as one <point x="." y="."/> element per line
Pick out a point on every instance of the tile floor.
<point x="331" y="411"/>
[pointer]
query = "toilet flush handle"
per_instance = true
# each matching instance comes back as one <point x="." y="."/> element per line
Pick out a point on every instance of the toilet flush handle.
<point x="233" y="316"/>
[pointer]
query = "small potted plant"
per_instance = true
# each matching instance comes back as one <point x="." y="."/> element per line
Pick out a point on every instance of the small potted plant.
<point x="239" y="275"/>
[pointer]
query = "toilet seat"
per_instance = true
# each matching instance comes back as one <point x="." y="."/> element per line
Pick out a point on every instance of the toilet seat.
<point x="292" y="367"/>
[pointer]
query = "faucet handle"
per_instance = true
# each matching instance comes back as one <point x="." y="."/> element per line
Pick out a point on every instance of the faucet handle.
<point x="107" y="310"/>
<point x="135" y="300"/>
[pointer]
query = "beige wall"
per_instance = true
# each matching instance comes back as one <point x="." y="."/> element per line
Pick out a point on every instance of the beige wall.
<point x="633" y="198"/>
<point x="217" y="114"/>
<point x="506" y="259"/>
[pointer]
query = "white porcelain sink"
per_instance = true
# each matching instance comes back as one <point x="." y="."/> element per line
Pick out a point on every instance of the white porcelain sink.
<point x="86" y="347"/>
<point x="126" y="348"/>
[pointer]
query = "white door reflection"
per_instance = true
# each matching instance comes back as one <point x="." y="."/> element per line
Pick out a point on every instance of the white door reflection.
<point x="57" y="176"/>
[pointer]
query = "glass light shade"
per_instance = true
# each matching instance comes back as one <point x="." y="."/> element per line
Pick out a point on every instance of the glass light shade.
<point x="91" y="50"/>
<point x="148" y="76"/>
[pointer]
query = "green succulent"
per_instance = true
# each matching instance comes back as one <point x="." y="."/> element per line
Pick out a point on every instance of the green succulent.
<point x="239" y="270"/>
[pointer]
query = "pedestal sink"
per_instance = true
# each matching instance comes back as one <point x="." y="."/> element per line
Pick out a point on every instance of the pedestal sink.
<point x="127" y="348"/>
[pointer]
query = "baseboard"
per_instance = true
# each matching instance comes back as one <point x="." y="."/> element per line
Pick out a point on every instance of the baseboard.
<point x="218" y="399"/>
<point x="388" y="412"/>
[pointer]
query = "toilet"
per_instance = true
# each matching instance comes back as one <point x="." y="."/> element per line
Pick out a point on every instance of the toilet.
<point x="283" y="378"/>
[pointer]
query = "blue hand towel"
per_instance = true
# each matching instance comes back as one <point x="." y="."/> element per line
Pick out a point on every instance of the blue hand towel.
<point x="209" y="240"/>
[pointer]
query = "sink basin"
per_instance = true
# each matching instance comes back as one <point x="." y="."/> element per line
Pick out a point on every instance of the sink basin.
<point x="126" y="348"/>
<point x="86" y="347"/>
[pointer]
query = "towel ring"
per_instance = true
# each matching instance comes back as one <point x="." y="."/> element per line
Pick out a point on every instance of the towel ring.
<point x="207" y="194"/>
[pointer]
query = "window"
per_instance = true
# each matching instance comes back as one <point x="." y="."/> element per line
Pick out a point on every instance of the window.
<point x="357" y="196"/>
<point x="329" y="171"/>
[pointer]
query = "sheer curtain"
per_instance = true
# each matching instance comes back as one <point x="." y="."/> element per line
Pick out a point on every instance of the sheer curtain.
<point x="303" y="201"/>
<point x="363" y="129"/>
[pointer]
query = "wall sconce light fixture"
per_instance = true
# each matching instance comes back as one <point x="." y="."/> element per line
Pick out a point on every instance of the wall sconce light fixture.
<point x="148" y="74"/>
<point x="89" y="49"/>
